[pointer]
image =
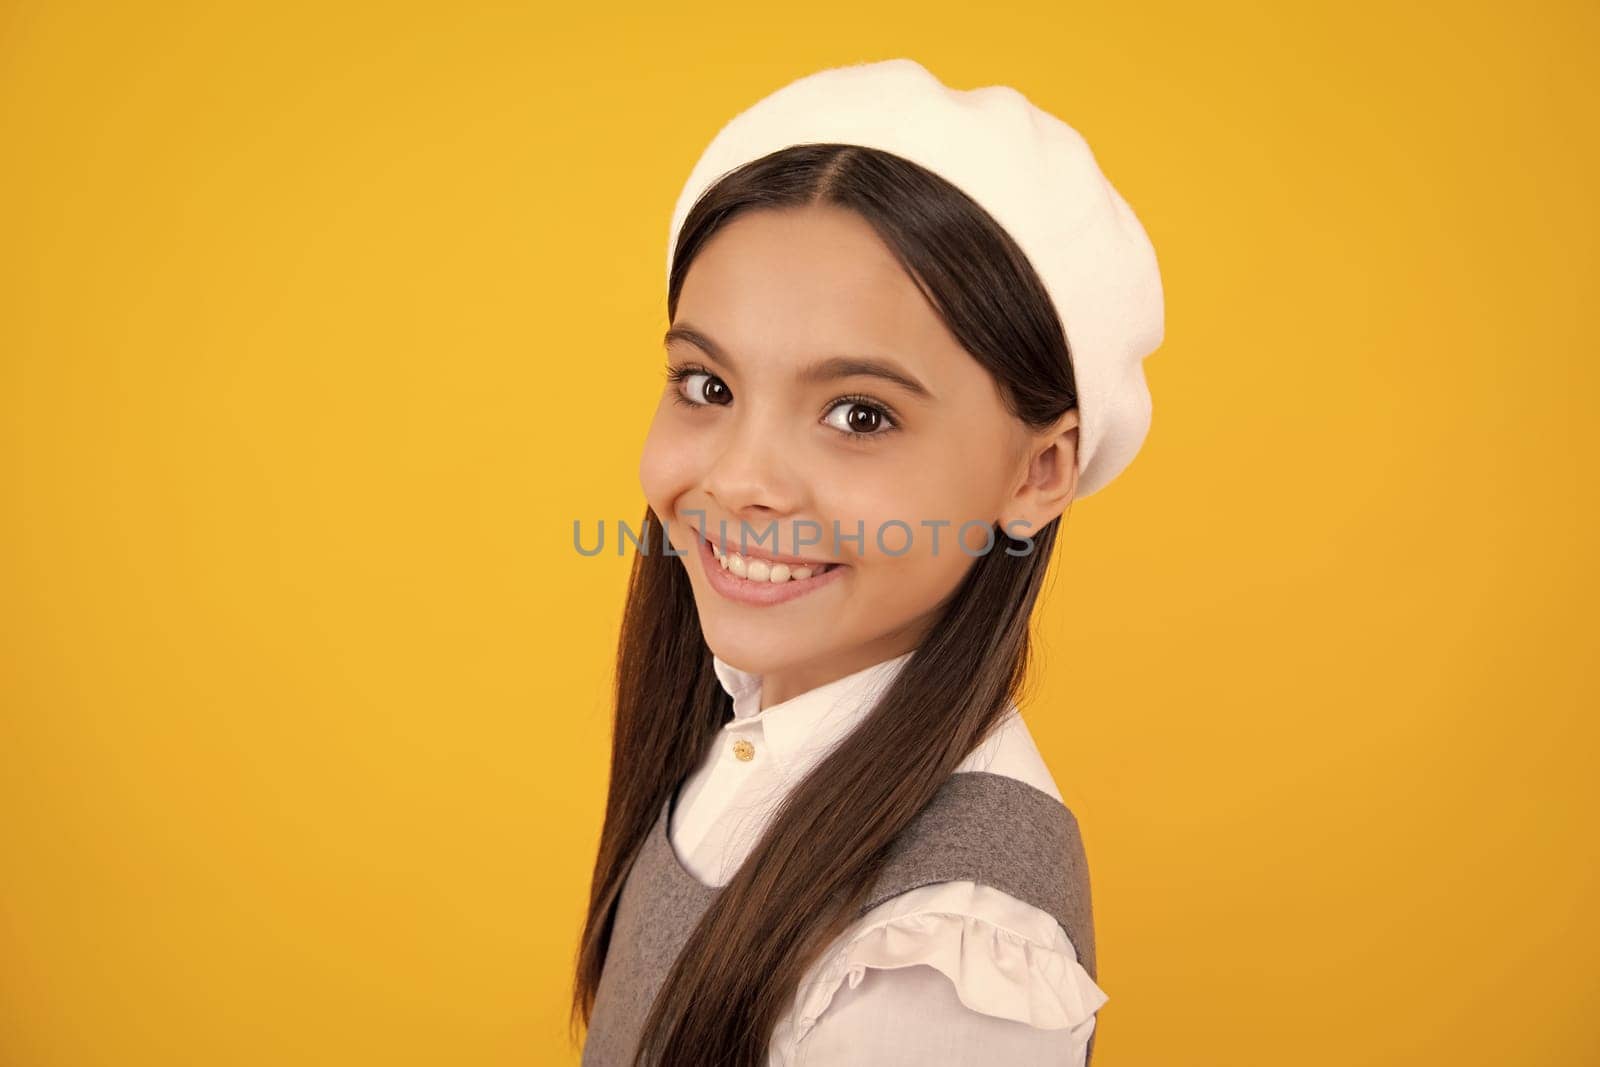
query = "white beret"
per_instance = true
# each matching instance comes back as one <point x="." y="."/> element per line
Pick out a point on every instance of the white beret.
<point x="1034" y="174"/>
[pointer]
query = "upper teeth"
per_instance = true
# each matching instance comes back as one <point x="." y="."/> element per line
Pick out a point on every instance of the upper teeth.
<point x="761" y="570"/>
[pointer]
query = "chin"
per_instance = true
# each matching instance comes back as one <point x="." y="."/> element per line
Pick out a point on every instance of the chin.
<point x="754" y="652"/>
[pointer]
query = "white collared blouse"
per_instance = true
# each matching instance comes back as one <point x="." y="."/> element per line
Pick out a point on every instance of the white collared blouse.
<point x="944" y="974"/>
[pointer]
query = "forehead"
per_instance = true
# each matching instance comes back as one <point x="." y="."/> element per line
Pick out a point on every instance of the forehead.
<point x="787" y="285"/>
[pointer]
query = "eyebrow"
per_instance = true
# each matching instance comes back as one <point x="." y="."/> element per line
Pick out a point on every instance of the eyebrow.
<point x="820" y="371"/>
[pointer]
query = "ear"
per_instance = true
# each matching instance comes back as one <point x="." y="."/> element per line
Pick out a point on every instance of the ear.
<point x="1049" y="478"/>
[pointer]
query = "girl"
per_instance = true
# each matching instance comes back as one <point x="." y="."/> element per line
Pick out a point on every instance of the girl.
<point x="907" y="326"/>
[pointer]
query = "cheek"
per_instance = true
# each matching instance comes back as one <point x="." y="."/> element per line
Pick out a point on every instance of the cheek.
<point x="668" y="465"/>
<point x="920" y="507"/>
<point x="920" y="503"/>
<point x="902" y="581"/>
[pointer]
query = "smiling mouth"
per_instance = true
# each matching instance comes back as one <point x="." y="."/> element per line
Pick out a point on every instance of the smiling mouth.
<point x="755" y="569"/>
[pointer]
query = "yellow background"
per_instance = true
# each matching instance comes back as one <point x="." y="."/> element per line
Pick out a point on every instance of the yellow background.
<point x="320" y="323"/>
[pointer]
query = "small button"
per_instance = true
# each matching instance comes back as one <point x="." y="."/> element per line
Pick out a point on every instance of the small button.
<point x="744" y="750"/>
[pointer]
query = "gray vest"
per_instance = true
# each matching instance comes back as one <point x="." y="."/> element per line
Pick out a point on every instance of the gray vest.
<point x="982" y="827"/>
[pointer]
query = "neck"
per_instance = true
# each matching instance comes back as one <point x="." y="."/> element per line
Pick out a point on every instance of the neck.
<point x="789" y="682"/>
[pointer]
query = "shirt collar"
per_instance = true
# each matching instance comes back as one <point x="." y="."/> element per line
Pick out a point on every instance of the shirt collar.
<point x="800" y="731"/>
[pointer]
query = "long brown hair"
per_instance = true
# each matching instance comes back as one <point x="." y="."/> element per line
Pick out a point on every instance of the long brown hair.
<point x="804" y="880"/>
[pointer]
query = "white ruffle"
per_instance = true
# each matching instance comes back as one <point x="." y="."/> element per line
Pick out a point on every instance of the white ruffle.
<point x="1005" y="958"/>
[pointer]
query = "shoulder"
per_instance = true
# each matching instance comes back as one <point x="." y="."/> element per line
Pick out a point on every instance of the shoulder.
<point x="999" y="820"/>
<point x="1010" y="750"/>
<point x="946" y="930"/>
<point x="1006" y="970"/>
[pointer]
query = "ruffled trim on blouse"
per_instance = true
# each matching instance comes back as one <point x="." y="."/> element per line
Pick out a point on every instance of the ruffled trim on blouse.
<point x="1005" y="958"/>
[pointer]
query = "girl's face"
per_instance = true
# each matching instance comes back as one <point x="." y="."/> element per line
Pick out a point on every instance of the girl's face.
<point x="816" y="398"/>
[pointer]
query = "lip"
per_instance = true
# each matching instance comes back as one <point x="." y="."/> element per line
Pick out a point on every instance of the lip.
<point x="771" y="557"/>
<point x="760" y="594"/>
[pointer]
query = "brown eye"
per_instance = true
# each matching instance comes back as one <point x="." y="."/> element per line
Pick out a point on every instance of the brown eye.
<point x="701" y="388"/>
<point x="858" y="418"/>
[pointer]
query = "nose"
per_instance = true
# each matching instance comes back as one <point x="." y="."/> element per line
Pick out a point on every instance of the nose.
<point x="752" y="476"/>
